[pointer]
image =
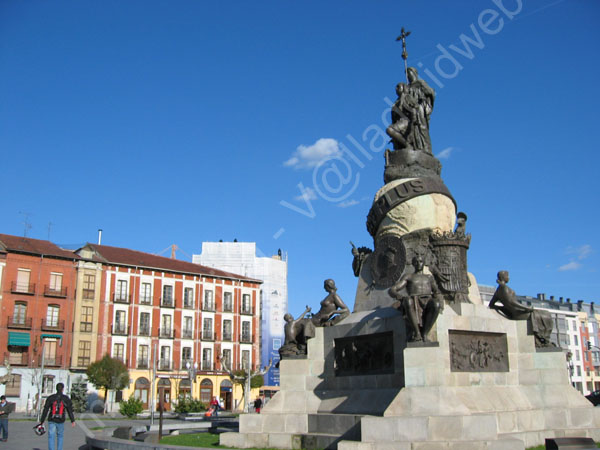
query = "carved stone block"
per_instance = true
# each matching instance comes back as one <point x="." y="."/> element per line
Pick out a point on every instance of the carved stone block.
<point x="472" y="351"/>
<point x="369" y="354"/>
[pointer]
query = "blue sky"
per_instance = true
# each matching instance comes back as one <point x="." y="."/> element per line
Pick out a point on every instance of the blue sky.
<point x="182" y="122"/>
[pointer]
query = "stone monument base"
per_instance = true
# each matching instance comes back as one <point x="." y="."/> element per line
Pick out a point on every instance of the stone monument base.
<point x="485" y="386"/>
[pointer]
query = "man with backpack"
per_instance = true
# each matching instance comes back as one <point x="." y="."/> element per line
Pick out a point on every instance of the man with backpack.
<point x="55" y="408"/>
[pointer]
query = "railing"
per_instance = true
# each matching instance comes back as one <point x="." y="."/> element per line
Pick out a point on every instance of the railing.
<point x="246" y="339"/>
<point x="142" y="363"/>
<point x="167" y="333"/>
<point x="208" y="306"/>
<point x="144" y="331"/>
<point x="168" y="302"/>
<point x="53" y="292"/>
<point x="207" y="365"/>
<point x="22" y="288"/>
<point x="188" y="304"/>
<point x="208" y="335"/>
<point x="227" y="336"/>
<point x="17" y="359"/>
<point x="246" y="310"/>
<point x="146" y="300"/>
<point x="53" y="325"/>
<point x="120" y="297"/>
<point x="227" y="307"/>
<point x="187" y="334"/>
<point x="120" y="329"/>
<point x="164" y="364"/>
<point x="54" y="361"/>
<point x="19" y="322"/>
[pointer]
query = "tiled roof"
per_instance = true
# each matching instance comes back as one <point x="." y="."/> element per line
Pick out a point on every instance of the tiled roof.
<point x="127" y="257"/>
<point x="20" y="244"/>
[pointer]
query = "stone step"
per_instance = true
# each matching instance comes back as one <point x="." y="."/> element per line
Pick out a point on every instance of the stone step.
<point x="345" y="425"/>
<point x="316" y="441"/>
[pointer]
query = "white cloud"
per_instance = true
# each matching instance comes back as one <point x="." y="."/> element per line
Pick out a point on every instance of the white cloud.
<point x="308" y="157"/>
<point x="573" y="265"/>
<point x="348" y="203"/>
<point x="445" y="154"/>
<point x="308" y="194"/>
<point x="581" y="252"/>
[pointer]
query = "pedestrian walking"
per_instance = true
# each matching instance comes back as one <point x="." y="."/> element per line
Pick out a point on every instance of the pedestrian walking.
<point x="56" y="408"/>
<point x="214" y="403"/>
<point x="258" y="404"/>
<point x="5" y="410"/>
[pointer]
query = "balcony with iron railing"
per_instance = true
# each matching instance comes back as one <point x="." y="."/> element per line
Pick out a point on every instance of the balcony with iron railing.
<point x="165" y="364"/>
<point x="227" y="307"/>
<point x="19" y="322"/>
<point x="166" y="333"/>
<point x="142" y="363"/>
<point x="120" y="297"/>
<point x="120" y="329"/>
<point x="167" y="302"/>
<point x="53" y="325"/>
<point x="208" y="335"/>
<point x="50" y="291"/>
<point x="188" y="302"/>
<point x="145" y="300"/>
<point x="207" y="365"/>
<point x="246" y="310"/>
<point x="144" y="330"/>
<point x="245" y="339"/>
<point x="227" y="336"/>
<point x="50" y="361"/>
<point x="187" y="334"/>
<point x="22" y="288"/>
<point x="208" y="306"/>
<point x="17" y="358"/>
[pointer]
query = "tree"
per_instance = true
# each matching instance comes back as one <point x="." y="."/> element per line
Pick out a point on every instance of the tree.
<point x="131" y="407"/>
<point x="241" y="377"/>
<point x="108" y="373"/>
<point x="79" y="395"/>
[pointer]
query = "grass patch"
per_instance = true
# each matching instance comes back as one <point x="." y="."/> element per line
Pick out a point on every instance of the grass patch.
<point x="198" y="440"/>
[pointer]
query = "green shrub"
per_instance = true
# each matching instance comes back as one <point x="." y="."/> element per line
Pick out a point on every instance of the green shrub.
<point x="188" y="405"/>
<point x="131" y="408"/>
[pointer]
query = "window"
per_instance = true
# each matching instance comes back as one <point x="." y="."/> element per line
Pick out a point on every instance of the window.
<point x="186" y="355"/>
<point x="167" y="298"/>
<point x="13" y="386"/>
<point x="120" y="324"/>
<point x="165" y="358"/>
<point x="206" y="391"/>
<point x="23" y="280"/>
<point x="144" y="324"/>
<point x="227" y="330"/>
<point x="227" y="302"/>
<point x="52" y="316"/>
<point x="246" y="305"/>
<point x="207" y="359"/>
<point x="50" y="357"/>
<point x="19" y="313"/>
<point x="48" y="385"/>
<point x="578" y="371"/>
<point x="209" y="303"/>
<point x="165" y="330"/>
<point x="146" y="293"/>
<point x="226" y="360"/>
<point x="89" y="286"/>
<point x="56" y="281"/>
<point x="245" y="359"/>
<point x="207" y="326"/>
<point x="187" y="332"/>
<point x="246" y="332"/>
<point x="83" y="354"/>
<point x="188" y="298"/>
<point x="119" y="352"/>
<point x="121" y="292"/>
<point x="575" y="340"/>
<point x="87" y="314"/>
<point x="577" y="355"/>
<point x="143" y="357"/>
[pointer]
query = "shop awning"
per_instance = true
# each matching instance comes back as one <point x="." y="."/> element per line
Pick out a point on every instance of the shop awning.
<point x="18" y="339"/>
<point x="52" y="336"/>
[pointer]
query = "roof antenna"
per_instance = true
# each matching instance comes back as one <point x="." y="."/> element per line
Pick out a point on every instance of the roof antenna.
<point x="26" y="223"/>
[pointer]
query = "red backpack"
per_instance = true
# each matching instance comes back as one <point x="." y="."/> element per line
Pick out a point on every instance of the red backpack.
<point x="58" y="410"/>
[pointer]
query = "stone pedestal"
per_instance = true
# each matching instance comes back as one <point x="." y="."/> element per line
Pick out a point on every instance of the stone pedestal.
<point x="499" y="396"/>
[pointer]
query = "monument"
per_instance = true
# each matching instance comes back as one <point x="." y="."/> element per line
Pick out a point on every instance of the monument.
<point x="420" y="363"/>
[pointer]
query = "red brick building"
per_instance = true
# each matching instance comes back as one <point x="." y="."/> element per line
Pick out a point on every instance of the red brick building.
<point x="37" y="292"/>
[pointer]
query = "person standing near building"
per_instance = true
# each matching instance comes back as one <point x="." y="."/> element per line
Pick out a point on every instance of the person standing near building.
<point x="56" y="407"/>
<point x="258" y="404"/>
<point x="5" y="410"/>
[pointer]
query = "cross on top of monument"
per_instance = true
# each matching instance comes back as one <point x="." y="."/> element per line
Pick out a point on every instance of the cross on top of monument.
<point x="404" y="34"/>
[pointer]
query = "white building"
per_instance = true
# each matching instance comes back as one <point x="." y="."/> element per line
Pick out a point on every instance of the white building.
<point x="241" y="258"/>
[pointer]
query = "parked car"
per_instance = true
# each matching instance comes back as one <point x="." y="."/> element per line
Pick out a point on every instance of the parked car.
<point x="594" y="397"/>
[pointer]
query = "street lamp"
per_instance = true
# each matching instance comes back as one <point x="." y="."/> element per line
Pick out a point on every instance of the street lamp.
<point x="192" y="369"/>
